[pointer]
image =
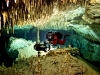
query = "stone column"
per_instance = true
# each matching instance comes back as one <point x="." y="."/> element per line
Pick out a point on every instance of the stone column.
<point x="38" y="35"/>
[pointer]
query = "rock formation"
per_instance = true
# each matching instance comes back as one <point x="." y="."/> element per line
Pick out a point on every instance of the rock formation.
<point x="20" y="49"/>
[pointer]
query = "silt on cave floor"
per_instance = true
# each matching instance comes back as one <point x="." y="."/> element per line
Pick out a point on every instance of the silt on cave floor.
<point x="56" y="62"/>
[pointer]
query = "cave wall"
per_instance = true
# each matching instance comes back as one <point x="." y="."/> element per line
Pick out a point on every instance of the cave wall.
<point x="92" y="16"/>
<point x="89" y="49"/>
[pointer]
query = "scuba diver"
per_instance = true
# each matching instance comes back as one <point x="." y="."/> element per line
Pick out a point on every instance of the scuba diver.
<point x="44" y="47"/>
<point x="53" y="38"/>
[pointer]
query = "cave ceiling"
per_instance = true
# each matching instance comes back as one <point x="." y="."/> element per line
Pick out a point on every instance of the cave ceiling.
<point x="22" y="12"/>
<point x="38" y="12"/>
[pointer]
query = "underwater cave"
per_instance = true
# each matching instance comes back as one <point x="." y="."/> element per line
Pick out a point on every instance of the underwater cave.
<point x="27" y="22"/>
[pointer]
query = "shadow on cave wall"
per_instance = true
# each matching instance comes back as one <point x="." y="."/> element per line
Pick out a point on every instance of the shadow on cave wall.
<point x="4" y="57"/>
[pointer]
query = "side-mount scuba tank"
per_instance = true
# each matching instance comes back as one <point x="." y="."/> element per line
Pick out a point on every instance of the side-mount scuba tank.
<point x="41" y="47"/>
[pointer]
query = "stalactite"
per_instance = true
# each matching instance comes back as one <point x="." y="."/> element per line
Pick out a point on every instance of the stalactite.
<point x="0" y="26"/>
<point x="43" y="9"/>
<point x="2" y="6"/>
<point x="30" y="7"/>
<point x="16" y="15"/>
<point x="46" y="9"/>
<point x="86" y="3"/>
<point x="24" y="17"/>
<point x="27" y="14"/>
<point x="30" y="1"/>
<point x="12" y="25"/>
<point x="71" y="1"/>
<point x="62" y="2"/>
<point x="33" y="2"/>
<point x="38" y="14"/>
<point x="41" y="2"/>
<point x="38" y="3"/>
<point x="66" y="1"/>
<point x="9" y="24"/>
<point x="49" y="9"/>
<point x="7" y="29"/>
<point x="7" y="3"/>
<point x="52" y="6"/>
<point x="5" y="18"/>
<point x="21" y="14"/>
<point x="35" y="8"/>
<point x="74" y="1"/>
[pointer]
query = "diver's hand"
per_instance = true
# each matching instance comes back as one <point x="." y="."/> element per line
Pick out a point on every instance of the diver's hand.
<point x="66" y="35"/>
<point x="46" y="42"/>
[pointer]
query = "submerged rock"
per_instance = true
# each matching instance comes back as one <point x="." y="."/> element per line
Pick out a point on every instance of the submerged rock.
<point x="19" y="48"/>
<point x="92" y="14"/>
<point x="89" y="50"/>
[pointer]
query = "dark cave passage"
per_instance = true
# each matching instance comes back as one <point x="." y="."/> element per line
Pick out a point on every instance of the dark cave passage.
<point x="4" y="57"/>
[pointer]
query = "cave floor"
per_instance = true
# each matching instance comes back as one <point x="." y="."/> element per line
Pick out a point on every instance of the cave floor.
<point x="54" y="63"/>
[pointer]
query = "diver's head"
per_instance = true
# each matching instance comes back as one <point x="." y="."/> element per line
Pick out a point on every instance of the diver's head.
<point x="49" y="36"/>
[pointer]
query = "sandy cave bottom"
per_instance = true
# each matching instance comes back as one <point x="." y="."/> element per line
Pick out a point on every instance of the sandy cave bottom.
<point x="56" y="62"/>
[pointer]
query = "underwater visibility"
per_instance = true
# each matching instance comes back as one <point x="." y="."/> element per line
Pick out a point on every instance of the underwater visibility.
<point x="50" y="37"/>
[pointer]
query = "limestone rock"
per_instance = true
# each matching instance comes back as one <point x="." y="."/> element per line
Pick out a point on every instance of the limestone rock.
<point x="92" y="14"/>
<point x="20" y="49"/>
<point x="94" y="1"/>
<point x="90" y="51"/>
